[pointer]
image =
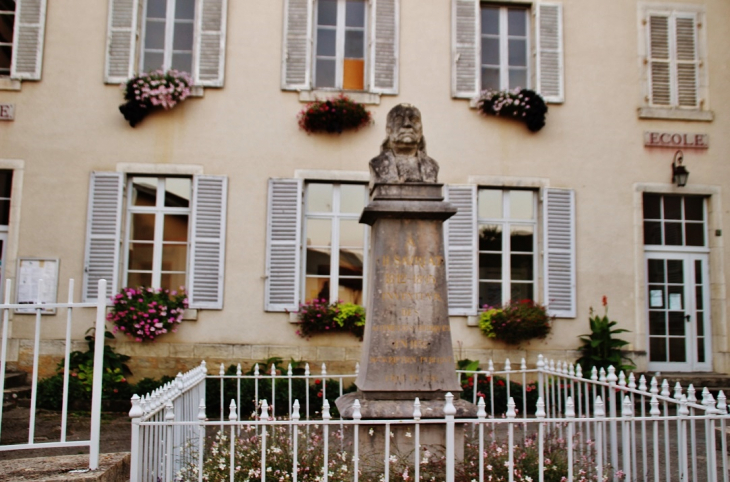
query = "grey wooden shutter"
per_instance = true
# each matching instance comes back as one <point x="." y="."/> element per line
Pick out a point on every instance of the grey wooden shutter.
<point x="296" y="57"/>
<point x="465" y="38"/>
<point x="461" y="251"/>
<point x="208" y="242"/>
<point x="384" y="47"/>
<point x="210" y="43"/>
<point x="283" y="237"/>
<point x="660" y="84"/>
<point x="121" y="40"/>
<point x="687" y="60"/>
<point x="28" y="34"/>
<point x="550" y="77"/>
<point x="103" y="233"/>
<point x="559" y="249"/>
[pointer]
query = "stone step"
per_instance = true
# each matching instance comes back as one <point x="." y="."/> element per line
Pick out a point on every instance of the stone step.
<point x="17" y="395"/>
<point x="713" y="381"/>
<point x="112" y="468"/>
<point x="15" y="379"/>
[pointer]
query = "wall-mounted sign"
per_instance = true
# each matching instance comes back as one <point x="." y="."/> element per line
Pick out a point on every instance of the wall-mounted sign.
<point x="676" y="140"/>
<point x="35" y="273"/>
<point x="7" y="112"/>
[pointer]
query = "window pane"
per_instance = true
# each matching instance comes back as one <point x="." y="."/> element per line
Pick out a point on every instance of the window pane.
<point x="521" y="267"/>
<point x="521" y="238"/>
<point x="139" y="279"/>
<point x="675" y="271"/>
<point x="183" y="36"/>
<point x="353" y="74"/>
<point x="175" y="227"/>
<point x="521" y="205"/>
<point x="4" y="212"/>
<point x="694" y="234"/>
<point x="325" y="73"/>
<point x="657" y="296"/>
<point x="350" y="291"/>
<point x="351" y="233"/>
<point x="490" y="237"/>
<point x="6" y="27"/>
<point x="327" y="12"/>
<point x="319" y="198"/>
<point x="652" y="209"/>
<point x="698" y="272"/>
<point x="140" y="256"/>
<point x="490" y="294"/>
<point x="172" y="281"/>
<point x="143" y="227"/>
<point x="352" y="198"/>
<point x="701" y="350"/>
<point x="185" y="9"/>
<point x="693" y="208"/>
<point x="156" y="8"/>
<point x="658" y="349"/>
<point x="326" y="42"/>
<point x="6" y="182"/>
<point x="318" y="261"/>
<point x="673" y="234"/>
<point x="319" y="232"/>
<point x="154" y="35"/>
<point x="490" y="266"/>
<point x="174" y="257"/>
<point x="517" y="52"/>
<point x="153" y="61"/>
<point x="676" y="323"/>
<point x="521" y="291"/>
<point x="351" y="262"/>
<point x="318" y="288"/>
<point x="490" y="50"/>
<point x="672" y="207"/>
<point x="677" y="350"/>
<point x="144" y="191"/>
<point x="5" y="57"/>
<point x="517" y="78"/>
<point x="7" y="5"/>
<point x="700" y="323"/>
<point x="652" y="232"/>
<point x="177" y="192"/>
<point x="490" y="79"/>
<point x="490" y="203"/>
<point x="182" y="62"/>
<point x="355" y="13"/>
<point x="517" y="22"/>
<point x="354" y="44"/>
<point x="657" y="323"/>
<point x="656" y="271"/>
<point x="490" y="20"/>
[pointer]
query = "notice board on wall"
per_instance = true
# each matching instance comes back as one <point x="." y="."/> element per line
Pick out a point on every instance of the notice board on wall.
<point x="35" y="273"/>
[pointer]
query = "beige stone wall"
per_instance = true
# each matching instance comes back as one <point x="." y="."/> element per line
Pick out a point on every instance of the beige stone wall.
<point x="67" y="125"/>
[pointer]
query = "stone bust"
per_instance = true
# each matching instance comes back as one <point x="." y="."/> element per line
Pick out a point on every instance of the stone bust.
<point x="403" y="155"/>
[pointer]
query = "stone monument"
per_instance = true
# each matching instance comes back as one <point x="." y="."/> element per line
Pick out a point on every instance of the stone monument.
<point x="407" y="351"/>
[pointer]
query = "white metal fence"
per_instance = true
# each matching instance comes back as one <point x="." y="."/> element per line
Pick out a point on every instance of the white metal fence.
<point x="601" y="427"/>
<point x="95" y="415"/>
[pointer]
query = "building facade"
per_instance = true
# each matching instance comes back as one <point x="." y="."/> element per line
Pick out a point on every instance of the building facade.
<point x="227" y="196"/>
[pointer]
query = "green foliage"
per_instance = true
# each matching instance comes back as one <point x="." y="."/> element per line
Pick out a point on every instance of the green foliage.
<point x="486" y="384"/>
<point x="333" y="115"/>
<point x="600" y="348"/>
<point x="318" y="316"/>
<point x="516" y="322"/>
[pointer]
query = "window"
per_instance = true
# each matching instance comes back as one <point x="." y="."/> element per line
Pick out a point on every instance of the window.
<point x="174" y="234"/>
<point x="168" y="35"/>
<point x="493" y="47"/>
<point x="341" y="45"/>
<point x="158" y="213"/>
<point x="507" y="225"/>
<point x="672" y="220"/>
<point x="22" y="27"/>
<point x="186" y="35"/>
<point x="505" y="47"/>
<point x="674" y="68"/>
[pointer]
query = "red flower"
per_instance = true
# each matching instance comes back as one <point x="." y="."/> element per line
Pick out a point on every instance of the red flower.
<point x="500" y="383"/>
<point x="605" y="301"/>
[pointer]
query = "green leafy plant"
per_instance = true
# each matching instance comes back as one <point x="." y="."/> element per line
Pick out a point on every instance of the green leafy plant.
<point x="146" y="313"/>
<point x="516" y="322"/>
<point x="318" y="316"/>
<point x="600" y="348"/>
<point x="486" y="384"/>
<point x="333" y="116"/>
<point x="521" y="104"/>
<point x="155" y="90"/>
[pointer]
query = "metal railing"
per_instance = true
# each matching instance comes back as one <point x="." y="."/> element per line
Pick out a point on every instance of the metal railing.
<point x="95" y="415"/>
<point x="602" y="427"/>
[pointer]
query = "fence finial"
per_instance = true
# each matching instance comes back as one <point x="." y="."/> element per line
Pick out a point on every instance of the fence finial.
<point x="179" y="382"/>
<point x="540" y="411"/>
<point x="324" y="369"/>
<point x="289" y="371"/>
<point x="306" y="370"/>
<point x="511" y="413"/>
<point x="632" y="380"/>
<point x="598" y="409"/>
<point x="295" y="411"/>
<point x="621" y="379"/>
<point x="481" y="409"/>
<point x="691" y="398"/>
<point x="571" y="370"/>
<point x="169" y="413"/>
<point x="417" y="409"/>
<point x="357" y="368"/>
<point x="449" y="408"/>
<point x="611" y="377"/>
<point x="654" y="403"/>
<point x="326" y="410"/>
<point x="721" y="403"/>
<point x="204" y="366"/>
<point x="569" y="408"/>
<point x="256" y="371"/>
<point x="642" y="383"/>
<point x="654" y="386"/>
<point x="264" y="410"/>
<point x="232" y="415"/>
<point x="201" y="409"/>
<point x="273" y="371"/>
<point x="222" y="370"/>
<point x="602" y="375"/>
<point x="683" y="410"/>
<point x="356" y="415"/>
<point x="578" y="370"/>
<point x="594" y="374"/>
<point x="678" y="391"/>
<point x="490" y="366"/>
<point x="627" y="410"/>
<point x="507" y="365"/>
<point x="523" y="364"/>
<point x="665" y="388"/>
<point x="239" y="372"/>
<point x="136" y="410"/>
<point x="540" y="362"/>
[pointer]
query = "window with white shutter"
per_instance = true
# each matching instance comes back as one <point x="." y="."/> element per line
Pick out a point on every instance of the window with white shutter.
<point x="183" y="35"/>
<point x="22" y="29"/>
<point x="461" y="250"/>
<point x="673" y="49"/>
<point x="341" y="45"/>
<point x="559" y="252"/>
<point x="501" y="47"/>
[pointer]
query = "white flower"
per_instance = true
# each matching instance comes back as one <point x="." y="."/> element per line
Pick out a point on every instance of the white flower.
<point x="408" y="434"/>
<point x="393" y="459"/>
<point x="371" y="432"/>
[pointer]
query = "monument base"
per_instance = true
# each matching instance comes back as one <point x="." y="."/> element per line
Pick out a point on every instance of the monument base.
<point x="431" y="440"/>
<point x="395" y="409"/>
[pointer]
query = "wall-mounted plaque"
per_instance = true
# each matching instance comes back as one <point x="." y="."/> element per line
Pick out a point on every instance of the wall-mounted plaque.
<point x="676" y="140"/>
<point x="30" y="273"/>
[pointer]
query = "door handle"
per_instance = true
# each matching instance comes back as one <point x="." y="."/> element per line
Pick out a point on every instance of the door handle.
<point x="687" y="318"/>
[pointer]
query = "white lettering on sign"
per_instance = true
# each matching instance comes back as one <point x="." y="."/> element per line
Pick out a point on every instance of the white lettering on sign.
<point x="676" y="140"/>
<point x="7" y="112"/>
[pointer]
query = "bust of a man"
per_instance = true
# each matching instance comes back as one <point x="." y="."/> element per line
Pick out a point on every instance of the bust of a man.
<point x="403" y="155"/>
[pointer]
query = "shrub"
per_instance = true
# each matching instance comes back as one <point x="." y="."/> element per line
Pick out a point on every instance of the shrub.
<point x="333" y="115"/>
<point x="146" y="313"/>
<point x="599" y="348"/>
<point x="521" y="104"/>
<point x="516" y="322"/>
<point x="319" y="317"/>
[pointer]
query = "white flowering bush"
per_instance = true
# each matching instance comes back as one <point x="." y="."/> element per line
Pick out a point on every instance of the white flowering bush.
<point x="153" y="90"/>
<point x="522" y="104"/>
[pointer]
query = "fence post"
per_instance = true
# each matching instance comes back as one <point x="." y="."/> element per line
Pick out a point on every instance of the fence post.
<point x="511" y="414"/>
<point x="626" y="413"/>
<point x="417" y="440"/>
<point x="356" y="417"/>
<point x="98" y="372"/>
<point x="540" y="415"/>
<point x="4" y="349"/>
<point x="599" y="414"/>
<point x="295" y="440"/>
<point x="326" y="432"/>
<point x="722" y="410"/>
<point x="541" y="377"/>
<point x="449" y="412"/>
<point x="654" y="413"/>
<point x="169" y="427"/>
<point x="481" y="415"/>
<point x="201" y="438"/>
<point x="611" y="379"/>
<point x="135" y="413"/>
<point x="709" y="402"/>
<point x="570" y="415"/>
<point x="232" y="417"/>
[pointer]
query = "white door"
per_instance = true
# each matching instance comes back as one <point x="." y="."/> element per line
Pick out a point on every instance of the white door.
<point x="678" y="312"/>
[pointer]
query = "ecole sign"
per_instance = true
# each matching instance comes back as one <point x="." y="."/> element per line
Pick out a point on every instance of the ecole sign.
<point x="7" y="112"/>
<point x="676" y="140"/>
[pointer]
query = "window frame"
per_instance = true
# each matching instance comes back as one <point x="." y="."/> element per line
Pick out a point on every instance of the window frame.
<point x="169" y="48"/>
<point x="335" y="216"/>
<point x="503" y="38"/>
<point x="10" y="44"/>
<point x="160" y="211"/>
<point x="506" y="252"/>
<point x="684" y="247"/>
